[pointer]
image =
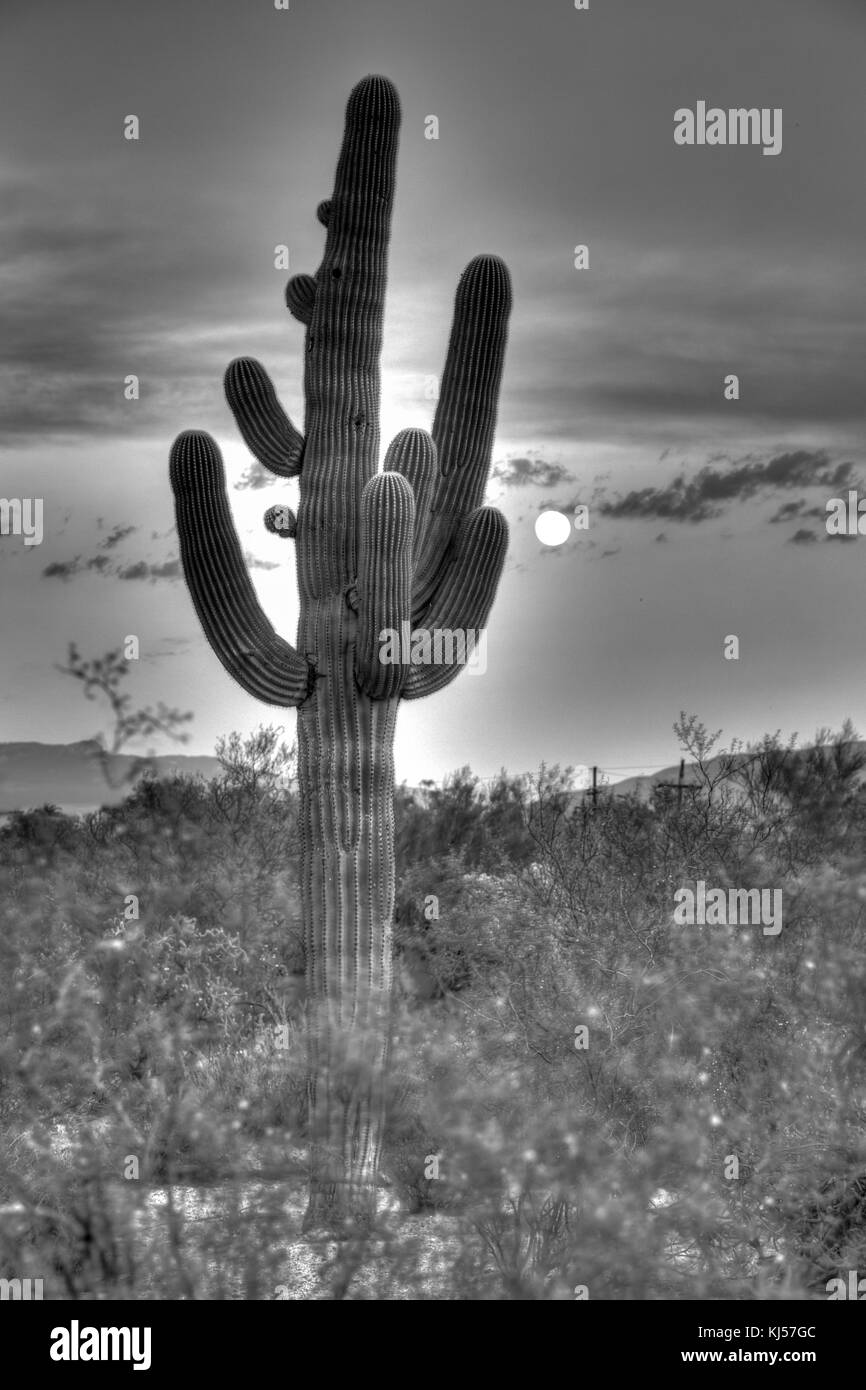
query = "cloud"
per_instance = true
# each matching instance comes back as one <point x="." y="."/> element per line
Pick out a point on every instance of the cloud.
<point x="520" y="472"/>
<point x="67" y="569"/>
<point x="712" y="490"/>
<point x="255" y="563"/>
<point x="78" y="318"/>
<point x="141" y="570"/>
<point x="170" y="569"/>
<point x="802" y="537"/>
<point x="655" y="334"/>
<point x="254" y="477"/>
<point x="101" y="564"/>
<point x="789" y="510"/>
<point x="62" y="569"/>
<point x="119" y="534"/>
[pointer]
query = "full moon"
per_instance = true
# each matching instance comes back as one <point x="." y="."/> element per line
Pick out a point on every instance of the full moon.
<point x="552" y="528"/>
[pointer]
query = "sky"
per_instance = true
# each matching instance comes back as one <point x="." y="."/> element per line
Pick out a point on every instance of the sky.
<point x="706" y="515"/>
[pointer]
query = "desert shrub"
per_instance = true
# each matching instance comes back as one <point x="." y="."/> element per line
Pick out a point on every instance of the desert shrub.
<point x="584" y="1093"/>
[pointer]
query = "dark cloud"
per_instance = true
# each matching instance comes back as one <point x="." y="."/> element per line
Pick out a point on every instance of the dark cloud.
<point x="141" y="570"/>
<point x="62" y="569"/>
<point x="522" y="471"/>
<point x="802" y="537"/>
<point x="119" y="534"/>
<point x="661" y="538"/>
<point x="800" y="510"/>
<point x="67" y="569"/>
<point x="711" y="491"/>
<point x="789" y="510"/>
<point x="101" y="564"/>
<point x="170" y="569"/>
<point x="105" y="277"/>
<point x="653" y="370"/>
<point x="94" y="291"/>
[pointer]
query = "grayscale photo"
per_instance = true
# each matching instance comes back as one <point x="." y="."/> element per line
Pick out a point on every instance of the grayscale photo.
<point x="432" y="729"/>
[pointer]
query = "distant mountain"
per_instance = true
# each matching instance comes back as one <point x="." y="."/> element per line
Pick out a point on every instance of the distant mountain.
<point x="644" y="787"/>
<point x="70" y="775"/>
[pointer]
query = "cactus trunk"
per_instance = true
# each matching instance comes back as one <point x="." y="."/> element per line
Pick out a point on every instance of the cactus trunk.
<point x="346" y="783"/>
<point x="375" y="551"/>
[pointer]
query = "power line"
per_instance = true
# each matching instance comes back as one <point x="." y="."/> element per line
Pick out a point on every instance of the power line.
<point x="640" y="769"/>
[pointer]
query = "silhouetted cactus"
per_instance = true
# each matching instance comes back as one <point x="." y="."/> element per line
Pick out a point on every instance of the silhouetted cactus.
<point x="411" y="544"/>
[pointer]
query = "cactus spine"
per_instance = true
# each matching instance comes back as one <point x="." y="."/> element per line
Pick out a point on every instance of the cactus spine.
<point x="411" y="544"/>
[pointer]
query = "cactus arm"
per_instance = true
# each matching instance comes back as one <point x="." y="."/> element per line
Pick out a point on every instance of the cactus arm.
<point x="266" y="429"/>
<point x="262" y="662"/>
<point x="464" y="595"/>
<point x="384" y="581"/>
<point x="465" y="419"/>
<point x="301" y="297"/>
<point x="413" y="454"/>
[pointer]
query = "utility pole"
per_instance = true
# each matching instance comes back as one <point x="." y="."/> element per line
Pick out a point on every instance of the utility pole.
<point x="679" y="784"/>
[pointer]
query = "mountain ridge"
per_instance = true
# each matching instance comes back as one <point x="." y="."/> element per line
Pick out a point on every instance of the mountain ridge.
<point x="70" y="775"/>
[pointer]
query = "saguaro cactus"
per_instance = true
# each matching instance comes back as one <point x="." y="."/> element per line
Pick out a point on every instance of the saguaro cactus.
<point x="411" y="544"/>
